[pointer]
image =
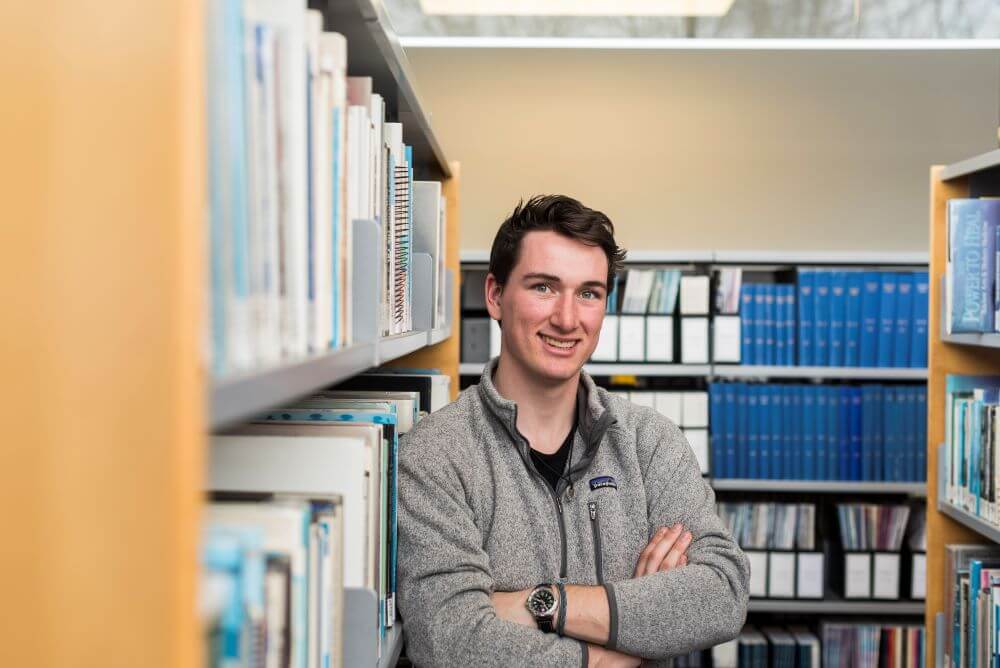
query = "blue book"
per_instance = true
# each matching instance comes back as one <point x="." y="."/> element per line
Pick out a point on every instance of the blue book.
<point x="867" y="420"/>
<point x="919" y="324"/>
<point x="780" y="337"/>
<point x="764" y="431"/>
<point x="796" y="451"/>
<point x="747" y="324"/>
<point x="821" y="430"/>
<point x="742" y="431"/>
<point x="887" y="319"/>
<point x="805" y="286"/>
<point x="904" y="314"/>
<point x="878" y="434"/>
<point x="889" y="434"/>
<point x="790" y="335"/>
<point x="911" y="429"/>
<point x="855" y="433"/>
<point x="753" y="431"/>
<point x="833" y="452"/>
<point x="972" y="227"/>
<point x="821" y="319"/>
<point x="871" y="296"/>
<point x="759" y="325"/>
<point x="838" y="316"/>
<point x="922" y="444"/>
<point x="777" y="433"/>
<point x="716" y="426"/>
<point x="844" y="433"/>
<point x="729" y="412"/>
<point x="809" y="432"/>
<point x="975" y="575"/>
<point x="852" y="320"/>
<point x="770" y="357"/>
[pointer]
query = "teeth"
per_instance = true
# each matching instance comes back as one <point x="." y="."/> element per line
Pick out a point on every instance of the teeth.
<point x="557" y="343"/>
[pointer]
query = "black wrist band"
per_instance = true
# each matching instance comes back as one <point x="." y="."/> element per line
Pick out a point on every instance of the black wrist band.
<point x="561" y="613"/>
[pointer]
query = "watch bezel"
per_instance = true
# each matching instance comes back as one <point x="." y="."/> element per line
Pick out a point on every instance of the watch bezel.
<point x="549" y="613"/>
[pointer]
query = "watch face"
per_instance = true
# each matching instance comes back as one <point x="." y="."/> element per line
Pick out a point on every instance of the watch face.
<point x="542" y="602"/>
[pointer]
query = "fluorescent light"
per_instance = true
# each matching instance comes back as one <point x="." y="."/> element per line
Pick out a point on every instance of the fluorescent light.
<point x="713" y="44"/>
<point x="576" y="7"/>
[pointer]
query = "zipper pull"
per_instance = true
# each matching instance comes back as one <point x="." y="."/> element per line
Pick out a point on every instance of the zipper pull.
<point x="559" y="506"/>
<point x="593" y="510"/>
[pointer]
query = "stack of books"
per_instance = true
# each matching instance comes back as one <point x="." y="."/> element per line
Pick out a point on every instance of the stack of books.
<point x="972" y="605"/>
<point x="971" y="463"/>
<point x="311" y="486"/>
<point x="873" y="645"/>
<point x="297" y="152"/>
<point x="818" y="432"/>
<point x="768" y="647"/>
<point x="972" y="291"/>
<point x="767" y="318"/>
<point x="862" y="318"/>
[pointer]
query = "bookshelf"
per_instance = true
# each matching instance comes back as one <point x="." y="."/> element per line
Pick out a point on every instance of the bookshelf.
<point x="106" y="276"/>
<point x="733" y="371"/>
<point x="913" y="489"/>
<point x="977" y="176"/>
<point x="835" y="606"/>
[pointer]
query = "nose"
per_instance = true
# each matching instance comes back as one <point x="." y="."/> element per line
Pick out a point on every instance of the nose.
<point x="564" y="315"/>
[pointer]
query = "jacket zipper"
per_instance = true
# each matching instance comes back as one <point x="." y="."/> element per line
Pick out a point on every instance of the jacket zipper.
<point x="559" y="508"/>
<point x="595" y="526"/>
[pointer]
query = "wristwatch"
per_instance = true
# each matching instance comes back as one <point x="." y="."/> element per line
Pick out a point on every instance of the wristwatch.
<point x="543" y="603"/>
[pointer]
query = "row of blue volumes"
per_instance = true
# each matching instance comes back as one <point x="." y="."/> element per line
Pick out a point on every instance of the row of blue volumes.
<point x="847" y="645"/>
<point x="767" y="324"/>
<point x="862" y="318"/>
<point x="311" y="485"/>
<point x="972" y="406"/>
<point x="297" y="152"/>
<point x="972" y="289"/>
<point x="818" y="432"/>
<point x="972" y="606"/>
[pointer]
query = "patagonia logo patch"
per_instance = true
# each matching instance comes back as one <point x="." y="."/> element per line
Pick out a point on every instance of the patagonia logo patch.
<point x="603" y="481"/>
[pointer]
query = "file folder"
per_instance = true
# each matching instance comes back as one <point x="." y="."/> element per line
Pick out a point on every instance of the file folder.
<point x="885" y="576"/>
<point x="659" y="338"/>
<point x="857" y="575"/>
<point x="758" y="573"/>
<point x="810" y="575"/>
<point x="694" y="340"/>
<point x="781" y="574"/>
<point x="631" y="338"/>
<point x="918" y="576"/>
<point x="607" y="343"/>
<point x="726" y="339"/>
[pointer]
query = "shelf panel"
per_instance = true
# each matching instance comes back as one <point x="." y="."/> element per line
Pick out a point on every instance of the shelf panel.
<point x="972" y="165"/>
<point x="837" y="607"/>
<point x="962" y="516"/>
<point x="240" y="397"/>
<point x="980" y="340"/>
<point x="391" y="347"/>
<point x="436" y="336"/>
<point x="825" y="372"/>
<point x="374" y="51"/>
<point x="392" y="647"/>
<point x="916" y="489"/>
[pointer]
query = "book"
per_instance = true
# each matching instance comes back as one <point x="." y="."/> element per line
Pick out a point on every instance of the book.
<point x="969" y="273"/>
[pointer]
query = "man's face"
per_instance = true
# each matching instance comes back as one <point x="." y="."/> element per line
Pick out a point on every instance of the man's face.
<point x="552" y="306"/>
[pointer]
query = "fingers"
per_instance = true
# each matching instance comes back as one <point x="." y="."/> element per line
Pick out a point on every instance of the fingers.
<point x="678" y="553"/>
<point x="657" y="550"/>
<point x="641" y="566"/>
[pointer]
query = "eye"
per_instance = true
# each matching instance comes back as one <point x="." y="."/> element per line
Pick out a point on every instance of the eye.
<point x="541" y="288"/>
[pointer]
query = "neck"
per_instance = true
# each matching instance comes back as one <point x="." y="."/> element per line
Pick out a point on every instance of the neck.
<point x="544" y="410"/>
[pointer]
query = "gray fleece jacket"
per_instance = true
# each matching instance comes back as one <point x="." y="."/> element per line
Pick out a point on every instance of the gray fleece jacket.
<point x="475" y="517"/>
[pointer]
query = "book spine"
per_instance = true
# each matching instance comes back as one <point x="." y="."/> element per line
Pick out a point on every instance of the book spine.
<point x="971" y="251"/>
<point x="887" y="319"/>
<point x="838" y="311"/>
<point x="821" y="319"/>
<point x="904" y="315"/>
<point x="747" y="324"/>
<point x="805" y="287"/>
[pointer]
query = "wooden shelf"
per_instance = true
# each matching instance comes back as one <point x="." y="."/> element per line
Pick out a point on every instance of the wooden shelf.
<point x="964" y="517"/>
<point x="915" y="489"/>
<point x="979" y="163"/>
<point x="837" y="607"/>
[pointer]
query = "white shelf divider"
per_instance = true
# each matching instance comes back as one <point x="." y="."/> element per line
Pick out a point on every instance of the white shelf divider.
<point x="914" y="489"/>
<point x="837" y="607"/>
<point x="824" y="372"/>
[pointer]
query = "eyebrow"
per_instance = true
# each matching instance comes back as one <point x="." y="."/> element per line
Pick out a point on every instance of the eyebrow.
<point x="555" y="279"/>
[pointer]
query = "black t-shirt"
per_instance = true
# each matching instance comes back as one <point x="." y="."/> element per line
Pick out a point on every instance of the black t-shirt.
<point x="553" y="466"/>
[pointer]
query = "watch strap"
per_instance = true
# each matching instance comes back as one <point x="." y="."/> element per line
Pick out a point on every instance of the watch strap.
<point x="561" y="611"/>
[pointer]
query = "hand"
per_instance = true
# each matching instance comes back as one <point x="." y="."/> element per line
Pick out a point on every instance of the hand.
<point x="667" y="549"/>
<point x="600" y="657"/>
<point x="510" y="606"/>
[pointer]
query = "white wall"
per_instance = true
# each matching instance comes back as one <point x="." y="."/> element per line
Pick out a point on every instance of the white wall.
<point x="802" y="150"/>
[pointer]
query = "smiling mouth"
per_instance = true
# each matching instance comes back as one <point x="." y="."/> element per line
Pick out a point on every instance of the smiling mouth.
<point x="558" y="343"/>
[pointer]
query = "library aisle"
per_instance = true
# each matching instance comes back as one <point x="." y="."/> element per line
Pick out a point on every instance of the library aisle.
<point x="246" y="254"/>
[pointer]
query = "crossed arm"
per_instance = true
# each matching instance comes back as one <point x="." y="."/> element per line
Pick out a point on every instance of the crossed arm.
<point x="587" y="611"/>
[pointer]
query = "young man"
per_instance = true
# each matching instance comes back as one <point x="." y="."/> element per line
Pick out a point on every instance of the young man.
<point x="543" y="521"/>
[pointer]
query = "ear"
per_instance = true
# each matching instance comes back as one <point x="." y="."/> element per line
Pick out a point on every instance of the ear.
<point x="494" y="291"/>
